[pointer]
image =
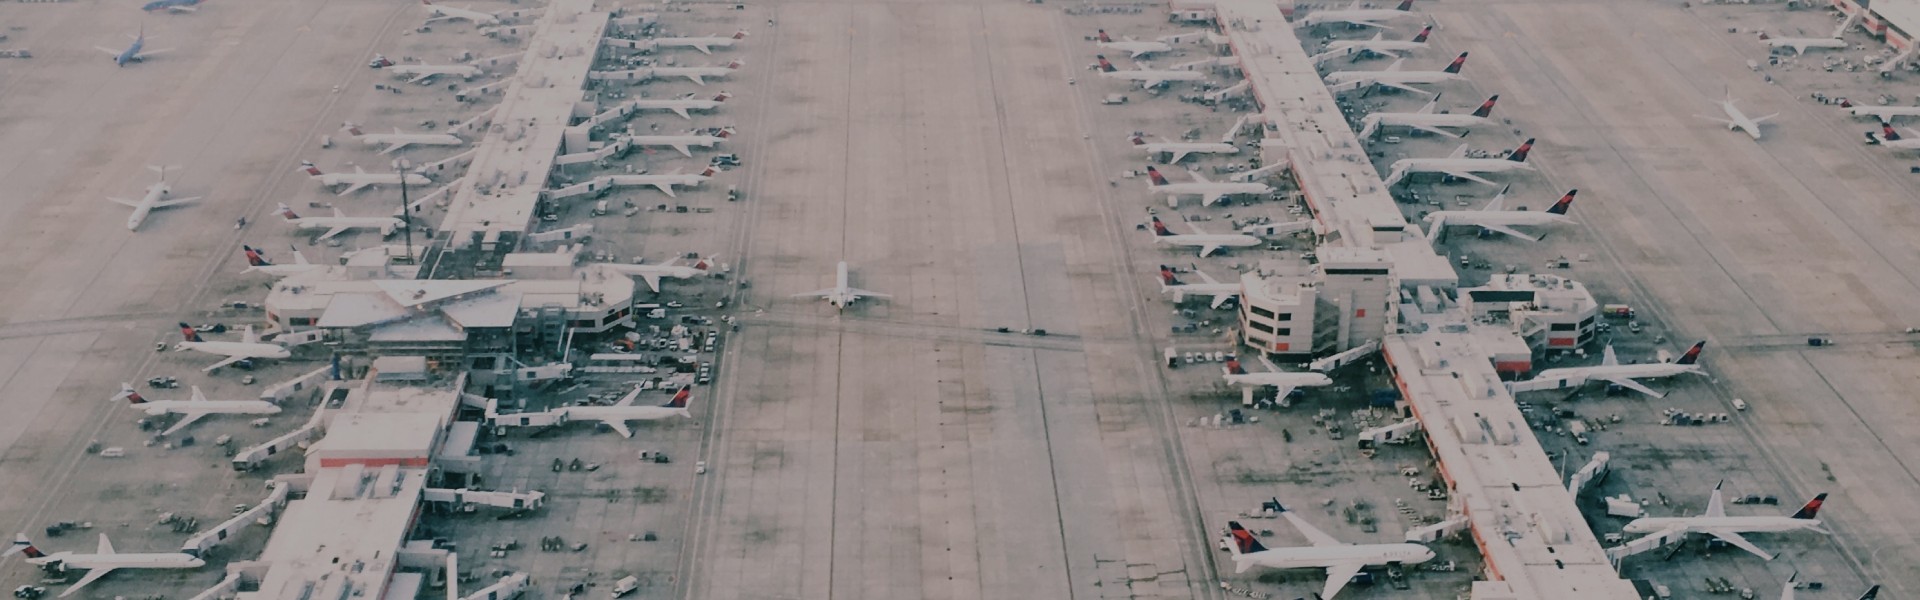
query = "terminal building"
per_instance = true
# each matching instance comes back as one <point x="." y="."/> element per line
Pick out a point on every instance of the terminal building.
<point x="1340" y="303"/>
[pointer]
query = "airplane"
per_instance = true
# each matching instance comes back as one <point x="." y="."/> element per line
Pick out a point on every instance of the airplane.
<point x="1739" y="120"/>
<point x="249" y="347"/>
<point x="1611" y="371"/>
<point x="1210" y="192"/>
<point x="360" y="178"/>
<point x="704" y="44"/>
<point x="1287" y="381"/>
<point x="1180" y="150"/>
<point x="1800" y="45"/>
<point x="617" y="415"/>
<point x="422" y="73"/>
<point x="397" y="140"/>
<point x="103" y="561"/>
<point x="1426" y="119"/>
<point x="257" y="263"/>
<point x="682" y="105"/>
<point x="1148" y="78"/>
<point x="436" y="12"/>
<point x="1888" y="138"/>
<point x="132" y="54"/>
<point x="1206" y="242"/>
<point x="176" y="6"/>
<point x="339" y="223"/>
<point x="665" y="182"/>
<point x="1716" y="523"/>
<point x="157" y="197"/>
<point x="1136" y="48"/>
<point x="1354" y="15"/>
<point x="1221" y="292"/>
<point x="1458" y="165"/>
<point x="1342" y="561"/>
<point x="1884" y="113"/>
<point x="683" y="143"/>
<point x="652" y="273"/>
<point x="699" y="75"/>
<point x="1491" y="217"/>
<point x="1393" y="77"/>
<point x="193" y="409"/>
<point x="1377" y="45"/>
<point x="841" y="295"/>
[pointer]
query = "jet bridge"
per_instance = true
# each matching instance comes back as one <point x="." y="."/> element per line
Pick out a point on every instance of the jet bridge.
<point x="207" y="540"/>
<point x="511" y="500"/>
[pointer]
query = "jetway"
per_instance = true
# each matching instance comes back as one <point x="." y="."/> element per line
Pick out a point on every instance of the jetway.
<point x="1389" y="433"/>
<point x="1645" y="544"/>
<point x="510" y="500"/>
<point x="1344" y="358"/>
<point x="1595" y="470"/>
<point x="508" y="587"/>
<point x="577" y="232"/>
<point x="225" y="589"/>
<point x="1427" y="534"/>
<point x="207" y="540"/>
<point x="284" y="391"/>
<point x="252" y="457"/>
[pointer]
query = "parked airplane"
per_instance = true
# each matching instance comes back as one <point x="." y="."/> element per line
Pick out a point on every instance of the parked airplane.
<point x="1611" y="371"/>
<point x="1180" y="150"/>
<point x="1342" y="561"/>
<point x="704" y="44"/>
<point x="397" y="140"/>
<point x="1716" y="523"/>
<point x="1210" y="192"/>
<point x="339" y="223"/>
<point x="1393" y="77"/>
<point x="699" y="75"/>
<point x="194" y="408"/>
<point x="682" y="143"/>
<point x="257" y="263"/>
<point x="422" y="73"/>
<point x="134" y="53"/>
<point x="1206" y="242"/>
<point x="103" y="561"/>
<point x="1492" y="218"/>
<point x="1355" y="16"/>
<point x="438" y="12"/>
<point x="1377" y="45"/>
<point x="681" y="105"/>
<point x="360" y="178"/>
<point x="1286" y="381"/>
<point x="1147" y="77"/>
<point x="1884" y="113"/>
<point x="1739" y="120"/>
<point x="1221" y="292"/>
<point x="1426" y="119"/>
<point x="1888" y="138"/>
<point x="158" y="196"/>
<point x="1136" y="48"/>
<point x="1800" y="45"/>
<point x="1459" y="165"/>
<point x="652" y="273"/>
<point x="617" y="415"/>
<point x="177" y="6"/>
<point x="841" y="294"/>
<point x="249" y="347"/>
<point x="665" y="182"/>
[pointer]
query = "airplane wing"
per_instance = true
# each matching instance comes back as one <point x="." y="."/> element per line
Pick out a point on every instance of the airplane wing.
<point x="1207" y="249"/>
<point x="110" y="52"/>
<point x="1510" y="231"/>
<point x="1282" y="391"/>
<point x="1219" y="299"/>
<point x="1632" y="385"/>
<point x="91" y="576"/>
<point x="867" y="294"/>
<point x="1337" y="577"/>
<point x="1213" y="198"/>
<point x="696" y="78"/>
<point x="1401" y="86"/>
<point x="1716" y="504"/>
<point x="106" y="547"/>
<point x="1435" y="130"/>
<point x="815" y="293"/>
<point x="247" y="336"/>
<point x="666" y="187"/>
<point x="394" y="147"/>
<point x="628" y="399"/>
<point x="1734" y="538"/>
<point x="684" y="150"/>
<point x="180" y="9"/>
<point x="352" y="187"/>
<point x="653" y="281"/>
<point x="682" y="111"/>
<point x="333" y="232"/>
<point x="298" y="258"/>
<point x="702" y="48"/>
<point x="1360" y="23"/>
<point x="186" y="418"/>
<point x="1148" y="83"/>
<point x="1608" y="358"/>
<point x="145" y="54"/>
<point x="124" y="201"/>
<point x="1469" y="177"/>
<point x="1205" y="277"/>
<point x="174" y="201"/>
<point x="421" y="78"/>
<point x="619" y="426"/>
<point x="1177" y="155"/>
<point x="1314" y="534"/>
<point x="229" y="360"/>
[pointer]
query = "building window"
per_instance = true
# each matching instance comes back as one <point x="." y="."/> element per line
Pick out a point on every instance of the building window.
<point x="1360" y="313"/>
<point x="1261" y="312"/>
<point x="1564" y="326"/>
<point x="1284" y="331"/>
<point x="1284" y="317"/>
<point x="299" y="321"/>
<point x="1258" y="326"/>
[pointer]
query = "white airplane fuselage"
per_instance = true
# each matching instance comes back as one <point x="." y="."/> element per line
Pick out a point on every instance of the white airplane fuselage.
<point x="155" y="193"/>
<point x="1368" y="15"/>
<point x="473" y="16"/>
<point x="464" y="71"/>
<point x="1309" y="557"/>
<point x="1397" y="77"/>
<point x="336" y="179"/>
<point x="1279" y="379"/>
<point x="1155" y="77"/>
<point x="1739" y="120"/>
<point x="697" y="75"/>
<point x="704" y="44"/>
<point x="151" y="560"/>
<point x="213" y="407"/>
<point x="677" y="142"/>
<point x="1174" y="191"/>
<point x="399" y="140"/>
<point x="1180" y="149"/>
<point x="241" y="349"/>
<point x="680" y="107"/>
<point x="1182" y="290"/>
<point x="1374" y="121"/>
<point x="1459" y="165"/>
<point x="1734" y="524"/>
<point x="1497" y="217"/>
<point x="386" y="225"/>
<point x="1801" y="45"/>
<point x="1137" y="49"/>
<point x="1348" y="47"/>
<point x="1885" y="113"/>
<point x="1204" y="240"/>
<point x="1624" y="371"/>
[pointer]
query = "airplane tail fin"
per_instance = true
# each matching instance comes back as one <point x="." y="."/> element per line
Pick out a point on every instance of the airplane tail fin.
<point x="1154" y="176"/>
<point x="1160" y="229"/>
<point x="1421" y="38"/>
<point x="1566" y="202"/>
<point x="351" y="128"/>
<point x="1458" y="61"/>
<point x="723" y="96"/>
<point x="1887" y="133"/>
<point x="736" y="63"/>
<point x="710" y="171"/>
<point x="286" y="212"/>
<point x="131" y="395"/>
<point x="1233" y="368"/>
<point x="1486" y="108"/>
<point x="254" y="258"/>
<point x="1137" y="140"/>
<point x="1520" y="154"/>
<point x="680" y="398"/>
<point x="740" y="35"/>
<point x="1102" y="36"/>
<point x="309" y="167"/>
<point x="22" y="546"/>
<point x="1105" y="67"/>
<point x="1812" y="509"/>
<point x="1693" y="357"/>
<point x="188" y="332"/>
<point x="1243" y="540"/>
<point x="1405" y="5"/>
<point x="1872" y="592"/>
<point x="1167" y="278"/>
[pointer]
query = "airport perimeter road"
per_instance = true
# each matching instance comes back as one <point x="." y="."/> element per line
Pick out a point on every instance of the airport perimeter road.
<point x="878" y="452"/>
<point x="243" y="93"/>
<point x="1752" y="245"/>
